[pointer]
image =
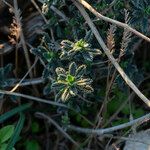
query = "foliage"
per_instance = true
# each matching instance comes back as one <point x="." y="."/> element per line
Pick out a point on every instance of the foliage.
<point x="4" y="76"/>
<point x="5" y="134"/>
<point x="70" y="82"/>
<point x="81" y="47"/>
<point x="14" y="111"/>
<point x="76" y="73"/>
<point x="141" y="14"/>
<point x="32" y="145"/>
<point x="14" y="139"/>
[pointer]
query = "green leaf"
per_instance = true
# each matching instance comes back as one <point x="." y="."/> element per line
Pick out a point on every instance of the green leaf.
<point x="138" y="113"/>
<point x="80" y="71"/>
<point x="70" y="79"/>
<point x="58" y="96"/>
<point x="120" y="121"/>
<point x="89" y="35"/>
<point x="61" y="77"/>
<point x="6" y="132"/>
<point x="64" y="55"/>
<point x="32" y="145"/>
<point x="14" y="111"/>
<point x="72" y="52"/>
<point x="47" y="89"/>
<point x="46" y="37"/>
<point x="7" y="82"/>
<point x="87" y="88"/>
<point x="84" y="82"/>
<point x="48" y="56"/>
<point x="66" y="44"/>
<point x="14" y="97"/>
<point x="7" y="69"/>
<point x="39" y="51"/>
<point x="95" y="51"/>
<point x="87" y="56"/>
<point x="73" y="91"/>
<point x="17" y="132"/>
<point x="126" y="110"/>
<point x="72" y="68"/>
<point x="46" y="72"/>
<point x="65" y="95"/>
<point x="80" y="45"/>
<point x="113" y="106"/>
<point x="35" y="127"/>
<point x="59" y="85"/>
<point x="3" y="146"/>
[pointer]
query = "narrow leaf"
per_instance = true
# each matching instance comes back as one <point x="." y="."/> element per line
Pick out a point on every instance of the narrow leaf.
<point x="65" y="95"/>
<point x="81" y="71"/>
<point x="58" y="85"/>
<point x="6" y="132"/>
<point x="17" y="132"/>
<point x="72" y="68"/>
<point x="14" y="111"/>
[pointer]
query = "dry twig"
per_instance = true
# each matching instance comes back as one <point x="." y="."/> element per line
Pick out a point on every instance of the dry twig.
<point x="111" y="129"/>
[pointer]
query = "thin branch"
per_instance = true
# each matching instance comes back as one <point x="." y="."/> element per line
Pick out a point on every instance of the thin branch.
<point x="58" y="12"/>
<point x="50" y="102"/>
<point x="107" y="19"/>
<point x="33" y="98"/>
<point x="51" y="121"/>
<point x="131" y="96"/>
<point x="109" y="55"/>
<point x="111" y="129"/>
<point x="29" y="82"/>
<point x="37" y="7"/>
<point x="18" y="84"/>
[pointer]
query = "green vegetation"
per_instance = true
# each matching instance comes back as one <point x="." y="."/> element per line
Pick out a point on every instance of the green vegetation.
<point x="61" y="62"/>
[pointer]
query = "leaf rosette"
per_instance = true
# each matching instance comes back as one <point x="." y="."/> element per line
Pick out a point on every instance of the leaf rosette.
<point x="70" y="83"/>
<point x="81" y="47"/>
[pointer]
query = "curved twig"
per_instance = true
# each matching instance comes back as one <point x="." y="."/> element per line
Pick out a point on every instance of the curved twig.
<point x="111" y="129"/>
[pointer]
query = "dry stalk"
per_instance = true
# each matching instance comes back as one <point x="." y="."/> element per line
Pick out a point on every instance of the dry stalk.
<point x="18" y="18"/>
<point x="110" y="38"/>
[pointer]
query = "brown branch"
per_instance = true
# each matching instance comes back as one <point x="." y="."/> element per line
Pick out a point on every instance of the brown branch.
<point x="109" y="55"/>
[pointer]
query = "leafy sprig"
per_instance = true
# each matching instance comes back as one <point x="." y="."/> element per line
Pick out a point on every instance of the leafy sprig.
<point x="69" y="83"/>
<point x="81" y="47"/>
